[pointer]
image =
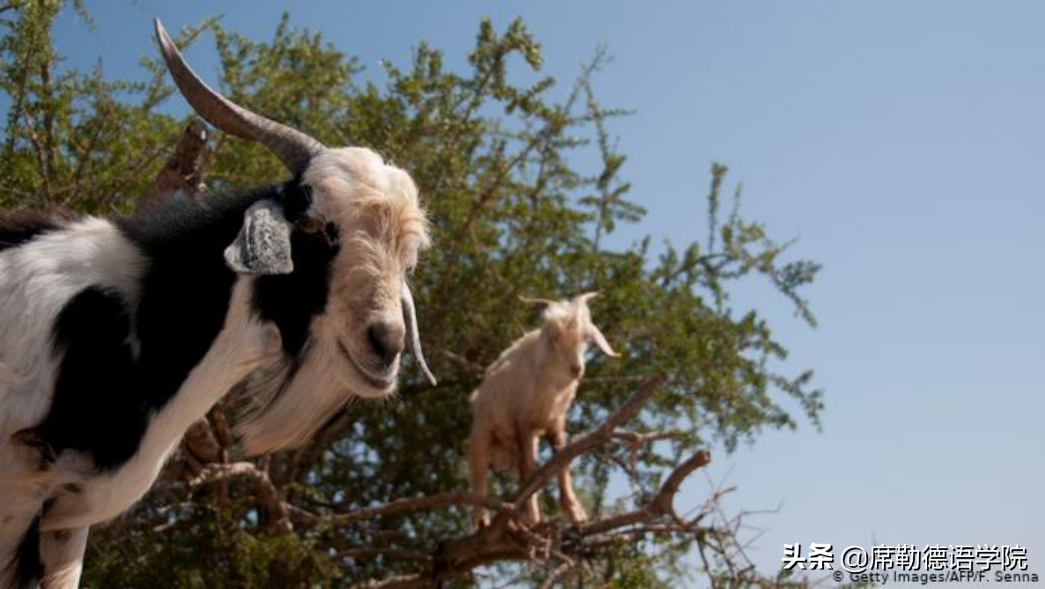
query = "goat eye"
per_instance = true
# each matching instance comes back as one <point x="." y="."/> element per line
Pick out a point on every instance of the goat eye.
<point x="309" y="225"/>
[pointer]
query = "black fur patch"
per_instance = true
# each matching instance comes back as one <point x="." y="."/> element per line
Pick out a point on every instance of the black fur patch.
<point x="97" y="406"/>
<point x="20" y="227"/>
<point x="292" y="300"/>
<point x="104" y="395"/>
<point x="297" y="199"/>
<point x="29" y="568"/>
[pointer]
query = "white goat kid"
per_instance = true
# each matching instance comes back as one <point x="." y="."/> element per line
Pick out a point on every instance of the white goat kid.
<point x="527" y="392"/>
<point x="116" y="335"/>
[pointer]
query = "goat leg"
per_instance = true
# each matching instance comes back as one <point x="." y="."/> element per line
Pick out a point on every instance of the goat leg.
<point x="478" y="462"/>
<point x="527" y="448"/>
<point x="61" y="553"/>
<point x="568" y="501"/>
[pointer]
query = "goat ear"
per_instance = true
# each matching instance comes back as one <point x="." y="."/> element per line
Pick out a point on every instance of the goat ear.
<point x="600" y="340"/>
<point x="263" y="244"/>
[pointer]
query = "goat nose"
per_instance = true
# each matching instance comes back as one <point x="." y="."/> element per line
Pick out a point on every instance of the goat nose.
<point x="576" y="369"/>
<point x="386" y="340"/>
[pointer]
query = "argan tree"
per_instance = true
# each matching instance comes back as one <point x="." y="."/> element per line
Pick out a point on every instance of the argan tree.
<point x="379" y="497"/>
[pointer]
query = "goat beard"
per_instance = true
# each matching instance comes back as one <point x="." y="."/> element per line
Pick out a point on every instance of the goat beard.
<point x="283" y="406"/>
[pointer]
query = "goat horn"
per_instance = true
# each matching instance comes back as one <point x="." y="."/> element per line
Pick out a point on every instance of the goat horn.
<point x="536" y="302"/>
<point x="584" y="298"/>
<point x="294" y="148"/>
<point x="410" y="317"/>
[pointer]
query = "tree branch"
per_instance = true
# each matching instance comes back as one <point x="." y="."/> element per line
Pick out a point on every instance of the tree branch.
<point x="183" y="170"/>
<point x="274" y="509"/>
<point x="418" y="503"/>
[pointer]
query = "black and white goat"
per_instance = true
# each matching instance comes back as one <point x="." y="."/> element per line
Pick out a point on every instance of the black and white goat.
<point x="116" y="335"/>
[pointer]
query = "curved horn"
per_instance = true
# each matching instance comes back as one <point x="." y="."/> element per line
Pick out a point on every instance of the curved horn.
<point x="410" y="317"/>
<point x="584" y="298"/>
<point x="536" y="302"/>
<point x="291" y="146"/>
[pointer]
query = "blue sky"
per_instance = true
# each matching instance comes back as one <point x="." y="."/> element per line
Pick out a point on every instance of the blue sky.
<point x="900" y="141"/>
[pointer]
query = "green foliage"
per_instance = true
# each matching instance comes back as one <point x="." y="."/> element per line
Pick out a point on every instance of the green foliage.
<point x="71" y="138"/>
<point x="512" y="215"/>
<point x="207" y="548"/>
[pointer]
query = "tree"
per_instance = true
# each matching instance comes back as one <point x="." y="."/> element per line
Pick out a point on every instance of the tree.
<point x="378" y="495"/>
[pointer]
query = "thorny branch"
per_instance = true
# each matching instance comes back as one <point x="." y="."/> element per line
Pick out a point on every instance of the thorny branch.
<point x="509" y="537"/>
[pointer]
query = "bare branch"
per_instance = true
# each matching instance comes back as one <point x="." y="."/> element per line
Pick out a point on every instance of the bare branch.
<point x="664" y="502"/>
<point x="272" y="506"/>
<point x="472" y="367"/>
<point x="635" y="441"/>
<point x="419" y="503"/>
<point x="184" y="169"/>
<point x="559" y="571"/>
<point x="640" y="438"/>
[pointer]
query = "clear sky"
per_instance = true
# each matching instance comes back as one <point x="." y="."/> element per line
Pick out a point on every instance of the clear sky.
<point x="902" y="142"/>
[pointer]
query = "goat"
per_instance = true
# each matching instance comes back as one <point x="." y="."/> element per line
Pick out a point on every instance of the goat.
<point x="117" y="334"/>
<point x="527" y="392"/>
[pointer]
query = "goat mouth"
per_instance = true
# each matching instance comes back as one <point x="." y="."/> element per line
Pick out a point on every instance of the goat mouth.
<point x="378" y="383"/>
